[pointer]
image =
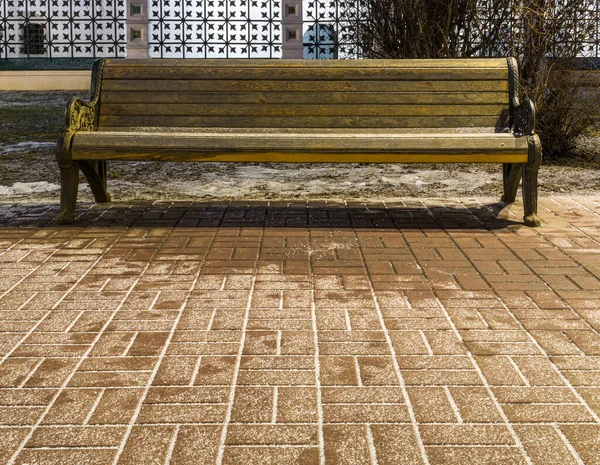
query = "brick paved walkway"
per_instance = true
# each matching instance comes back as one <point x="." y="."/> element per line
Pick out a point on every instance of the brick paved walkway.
<point x="418" y="332"/>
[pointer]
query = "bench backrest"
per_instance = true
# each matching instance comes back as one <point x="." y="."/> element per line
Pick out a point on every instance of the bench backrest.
<point x="305" y="93"/>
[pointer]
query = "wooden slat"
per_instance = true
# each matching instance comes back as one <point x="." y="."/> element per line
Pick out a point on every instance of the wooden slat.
<point x="303" y="121"/>
<point x="424" y="98"/>
<point x="152" y="73"/>
<point x="305" y="132"/>
<point x="302" y="157"/>
<point x="277" y="63"/>
<point x="177" y="85"/>
<point x="289" y="110"/>
<point x="294" y="142"/>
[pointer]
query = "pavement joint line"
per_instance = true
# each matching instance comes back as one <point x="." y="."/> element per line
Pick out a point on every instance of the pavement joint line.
<point x="94" y="407"/>
<point x="567" y="443"/>
<point x="589" y="211"/>
<point x="357" y="368"/>
<point x="12" y="246"/>
<point x="572" y="342"/>
<point x="223" y="439"/>
<point x="392" y="352"/>
<point x="166" y="344"/>
<point x="347" y="320"/>
<point x="195" y="372"/>
<point x="426" y="342"/>
<point x="33" y="296"/>
<point x="31" y="372"/>
<point x="24" y="256"/>
<point x="70" y="448"/>
<point x="130" y="343"/>
<point x="371" y="443"/>
<point x="275" y="402"/>
<point x="81" y="358"/>
<point x="275" y="446"/>
<point x="453" y="405"/>
<point x="68" y="328"/>
<point x="315" y="340"/>
<point x="172" y="443"/>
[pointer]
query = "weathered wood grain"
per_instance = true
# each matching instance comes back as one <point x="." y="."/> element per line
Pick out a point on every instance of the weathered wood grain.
<point x="291" y="110"/>
<point x="230" y="85"/>
<point x="304" y="121"/>
<point x="248" y="73"/>
<point x="261" y="142"/>
<point x="301" y="64"/>
<point x="297" y="98"/>
<point x="299" y="157"/>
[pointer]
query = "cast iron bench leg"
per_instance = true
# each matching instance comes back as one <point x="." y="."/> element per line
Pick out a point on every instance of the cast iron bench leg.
<point x="530" y="182"/>
<point x="95" y="173"/>
<point x="69" y="183"/>
<point x="69" y="180"/>
<point x="511" y="177"/>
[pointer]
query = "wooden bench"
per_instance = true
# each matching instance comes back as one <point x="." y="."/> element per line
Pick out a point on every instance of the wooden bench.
<point x="380" y="111"/>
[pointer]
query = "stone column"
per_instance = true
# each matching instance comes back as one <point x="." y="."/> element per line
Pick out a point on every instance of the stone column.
<point x="292" y="29"/>
<point x="137" y="29"/>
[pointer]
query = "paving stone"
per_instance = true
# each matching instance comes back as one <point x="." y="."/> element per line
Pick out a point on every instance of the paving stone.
<point x="346" y="444"/>
<point x="544" y="445"/>
<point x="147" y="444"/>
<point x="196" y="444"/>
<point x="466" y="434"/>
<point x="585" y="439"/>
<point x="271" y="455"/>
<point x="69" y="436"/>
<point x="72" y="407"/>
<point x="67" y="457"/>
<point x="450" y="455"/>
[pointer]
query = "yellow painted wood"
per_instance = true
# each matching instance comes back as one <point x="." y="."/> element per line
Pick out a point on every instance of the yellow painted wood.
<point x="295" y="142"/>
<point x="301" y="157"/>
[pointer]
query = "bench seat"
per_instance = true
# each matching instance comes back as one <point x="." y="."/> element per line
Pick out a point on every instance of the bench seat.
<point x="256" y="110"/>
<point x="291" y="145"/>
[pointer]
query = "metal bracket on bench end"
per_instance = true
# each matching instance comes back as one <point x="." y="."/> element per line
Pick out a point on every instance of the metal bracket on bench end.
<point x="524" y="118"/>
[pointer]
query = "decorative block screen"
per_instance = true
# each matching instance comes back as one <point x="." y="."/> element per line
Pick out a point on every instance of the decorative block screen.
<point x="62" y="28"/>
<point x="195" y="28"/>
<point x="215" y="29"/>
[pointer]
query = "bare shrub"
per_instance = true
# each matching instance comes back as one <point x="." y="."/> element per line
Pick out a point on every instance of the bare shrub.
<point x="548" y="41"/>
<point x="425" y="28"/>
<point x="546" y="36"/>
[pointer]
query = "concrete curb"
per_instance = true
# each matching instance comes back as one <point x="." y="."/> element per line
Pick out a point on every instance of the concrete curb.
<point x="45" y="80"/>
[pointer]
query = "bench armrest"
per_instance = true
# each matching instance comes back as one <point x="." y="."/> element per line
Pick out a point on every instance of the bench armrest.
<point x="523" y="118"/>
<point x="82" y="115"/>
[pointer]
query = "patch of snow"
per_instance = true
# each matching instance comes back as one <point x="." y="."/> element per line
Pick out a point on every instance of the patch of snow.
<point x="24" y="146"/>
<point x="24" y="188"/>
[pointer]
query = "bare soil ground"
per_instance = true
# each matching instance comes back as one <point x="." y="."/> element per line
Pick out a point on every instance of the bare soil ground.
<point x="31" y="122"/>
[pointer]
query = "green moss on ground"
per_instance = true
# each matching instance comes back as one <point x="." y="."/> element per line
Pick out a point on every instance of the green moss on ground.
<point x="30" y="123"/>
